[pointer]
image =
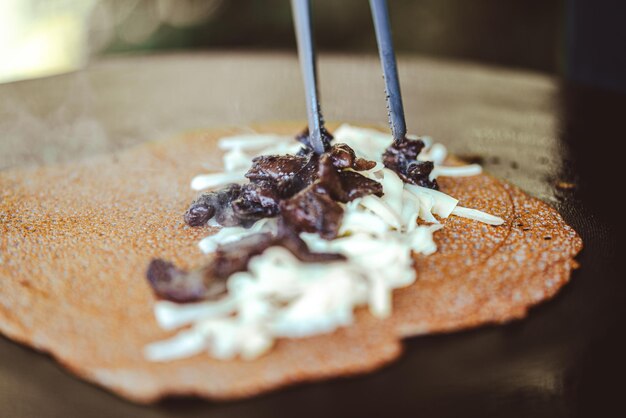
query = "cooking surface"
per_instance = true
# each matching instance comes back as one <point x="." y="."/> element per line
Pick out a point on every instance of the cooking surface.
<point x="552" y="140"/>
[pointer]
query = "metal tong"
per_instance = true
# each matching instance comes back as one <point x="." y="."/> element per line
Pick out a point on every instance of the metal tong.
<point x="306" y="52"/>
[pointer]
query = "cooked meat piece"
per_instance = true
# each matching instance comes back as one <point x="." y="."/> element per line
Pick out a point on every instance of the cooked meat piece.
<point x="401" y="157"/>
<point x="276" y="168"/>
<point x="419" y="171"/>
<point x="312" y="211"/>
<point x="289" y="239"/>
<point x="343" y="156"/>
<point x="328" y="180"/>
<point x="357" y="185"/>
<point x="256" y="201"/>
<point x="171" y="283"/>
<point x="212" y="204"/>
<point x="344" y="186"/>
<point x="233" y="257"/>
<point x="209" y="282"/>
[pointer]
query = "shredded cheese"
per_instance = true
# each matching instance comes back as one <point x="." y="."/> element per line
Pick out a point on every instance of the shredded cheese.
<point x="281" y="297"/>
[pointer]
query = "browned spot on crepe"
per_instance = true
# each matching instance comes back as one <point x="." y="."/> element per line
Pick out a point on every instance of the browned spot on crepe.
<point x="76" y="239"/>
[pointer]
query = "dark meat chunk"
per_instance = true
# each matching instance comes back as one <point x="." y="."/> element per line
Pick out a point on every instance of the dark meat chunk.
<point x="276" y="178"/>
<point x="304" y="138"/>
<point x="400" y="154"/>
<point x="256" y="201"/>
<point x="344" y="157"/>
<point x="288" y="174"/>
<point x="357" y="185"/>
<point x="235" y="205"/>
<point x="344" y="186"/>
<point x="198" y="214"/>
<point x="201" y="210"/>
<point x="276" y="168"/>
<point x="306" y="177"/>
<point x="361" y="164"/>
<point x="224" y="213"/>
<point x="213" y="204"/>
<point x="226" y="216"/>
<point x="263" y="193"/>
<point x="171" y="283"/>
<point x="401" y="157"/>
<point x="209" y="282"/>
<point x="419" y="171"/>
<point x="302" y="179"/>
<point x="312" y="211"/>
<point x="234" y="257"/>
<point x="289" y="239"/>
<point x="328" y="180"/>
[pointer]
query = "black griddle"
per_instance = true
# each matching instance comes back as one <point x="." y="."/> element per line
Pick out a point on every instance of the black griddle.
<point x="559" y="142"/>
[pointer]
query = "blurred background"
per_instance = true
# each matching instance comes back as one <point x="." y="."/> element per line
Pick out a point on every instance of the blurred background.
<point x="582" y="40"/>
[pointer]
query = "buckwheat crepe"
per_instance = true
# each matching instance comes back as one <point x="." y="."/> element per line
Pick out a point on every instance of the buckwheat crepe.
<point x="76" y="240"/>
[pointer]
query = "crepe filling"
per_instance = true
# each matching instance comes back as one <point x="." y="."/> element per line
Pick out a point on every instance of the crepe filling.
<point x="304" y="239"/>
